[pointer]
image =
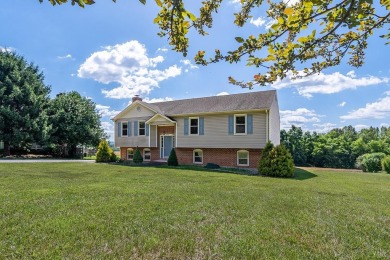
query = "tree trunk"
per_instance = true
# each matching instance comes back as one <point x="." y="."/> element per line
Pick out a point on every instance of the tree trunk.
<point x="7" y="149"/>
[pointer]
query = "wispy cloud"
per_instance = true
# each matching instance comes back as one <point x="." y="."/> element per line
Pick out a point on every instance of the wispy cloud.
<point x="258" y="21"/>
<point x="129" y="66"/>
<point x="188" y="65"/>
<point x="65" y="57"/>
<point x="224" y="93"/>
<point x="323" y="128"/>
<point x="378" y="110"/>
<point x="328" y="83"/>
<point x="108" y="128"/>
<point x="5" y="49"/>
<point x="298" y="117"/>
<point x="342" y="104"/>
<point x="105" y="111"/>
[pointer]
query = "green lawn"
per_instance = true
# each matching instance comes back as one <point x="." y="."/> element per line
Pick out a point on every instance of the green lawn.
<point x="80" y="211"/>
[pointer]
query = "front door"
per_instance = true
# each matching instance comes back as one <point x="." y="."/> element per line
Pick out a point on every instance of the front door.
<point x="166" y="145"/>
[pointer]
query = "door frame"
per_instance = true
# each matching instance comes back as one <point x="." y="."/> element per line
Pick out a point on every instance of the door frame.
<point x="162" y="142"/>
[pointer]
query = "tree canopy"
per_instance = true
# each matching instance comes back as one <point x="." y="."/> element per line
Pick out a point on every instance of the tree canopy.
<point x="74" y="121"/>
<point x="306" y="37"/>
<point x="24" y="99"/>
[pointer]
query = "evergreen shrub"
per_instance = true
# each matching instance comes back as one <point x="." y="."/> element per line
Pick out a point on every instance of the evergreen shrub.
<point x="172" y="159"/>
<point x="104" y="152"/>
<point x="137" y="158"/>
<point x="276" y="161"/>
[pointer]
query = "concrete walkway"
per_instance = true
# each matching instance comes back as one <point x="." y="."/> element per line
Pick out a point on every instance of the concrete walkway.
<point x="44" y="161"/>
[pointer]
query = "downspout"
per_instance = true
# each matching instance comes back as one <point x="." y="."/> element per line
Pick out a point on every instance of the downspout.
<point x="266" y="126"/>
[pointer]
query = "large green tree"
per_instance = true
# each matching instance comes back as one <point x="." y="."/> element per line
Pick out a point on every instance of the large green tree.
<point x="74" y="121"/>
<point x="307" y="35"/>
<point x="23" y="102"/>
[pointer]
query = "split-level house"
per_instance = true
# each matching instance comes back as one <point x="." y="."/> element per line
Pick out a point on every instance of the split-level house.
<point x="226" y="130"/>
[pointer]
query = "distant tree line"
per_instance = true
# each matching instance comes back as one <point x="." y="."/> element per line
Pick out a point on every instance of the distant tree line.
<point x="338" y="148"/>
<point x="28" y="115"/>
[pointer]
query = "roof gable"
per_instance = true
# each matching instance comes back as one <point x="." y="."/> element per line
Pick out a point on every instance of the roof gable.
<point x="136" y="109"/>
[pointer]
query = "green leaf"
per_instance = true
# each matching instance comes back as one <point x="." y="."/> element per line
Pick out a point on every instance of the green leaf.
<point x="239" y="39"/>
<point x="143" y="2"/>
<point x="158" y="2"/>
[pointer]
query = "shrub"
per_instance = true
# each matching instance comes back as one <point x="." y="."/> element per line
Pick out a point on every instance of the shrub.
<point x="104" y="152"/>
<point x="264" y="165"/>
<point x="386" y="164"/>
<point x="113" y="157"/>
<point x="172" y="159"/>
<point x="137" y="158"/>
<point x="212" y="166"/>
<point x="276" y="161"/>
<point x="370" y="162"/>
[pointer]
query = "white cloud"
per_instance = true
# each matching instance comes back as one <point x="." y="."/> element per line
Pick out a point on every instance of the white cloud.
<point x="128" y="65"/>
<point x="384" y="125"/>
<point x="5" y="49"/>
<point x="327" y="83"/>
<point x="155" y="100"/>
<point x="224" y="93"/>
<point x="342" y="104"/>
<point x="108" y="128"/>
<point x="269" y="24"/>
<point x="360" y="127"/>
<point x="298" y="117"/>
<point x="105" y="111"/>
<point x="291" y="2"/>
<point x="378" y="110"/>
<point x="189" y="64"/>
<point x="323" y="128"/>
<point x="257" y="22"/>
<point x="162" y="49"/>
<point x="66" y="57"/>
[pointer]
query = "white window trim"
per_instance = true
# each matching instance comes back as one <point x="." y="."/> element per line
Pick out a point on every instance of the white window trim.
<point x="189" y="125"/>
<point x="150" y="154"/>
<point x="139" y="128"/>
<point x="193" y="156"/>
<point x="127" y="153"/>
<point x="238" y="161"/>
<point x="122" y="123"/>
<point x="246" y="124"/>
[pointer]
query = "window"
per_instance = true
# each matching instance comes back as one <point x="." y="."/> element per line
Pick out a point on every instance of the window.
<point x="198" y="156"/>
<point x="194" y="126"/>
<point x="124" y="128"/>
<point x="240" y="124"/>
<point x="243" y="158"/>
<point x="141" y="128"/>
<point x="146" y="154"/>
<point x="130" y="154"/>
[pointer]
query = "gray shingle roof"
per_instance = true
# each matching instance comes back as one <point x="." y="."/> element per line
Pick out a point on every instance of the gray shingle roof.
<point x="236" y="102"/>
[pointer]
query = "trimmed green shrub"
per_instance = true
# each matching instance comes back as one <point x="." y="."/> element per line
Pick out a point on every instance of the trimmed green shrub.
<point x="370" y="162"/>
<point x="104" y="152"/>
<point x="172" y="159"/>
<point x="113" y="157"/>
<point x="386" y="164"/>
<point x="137" y="158"/>
<point x="276" y="161"/>
<point x="264" y="165"/>
<point x="212" y="166"/>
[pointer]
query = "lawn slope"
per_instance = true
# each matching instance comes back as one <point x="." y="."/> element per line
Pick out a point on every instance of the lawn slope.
<point x="71" y="210"/>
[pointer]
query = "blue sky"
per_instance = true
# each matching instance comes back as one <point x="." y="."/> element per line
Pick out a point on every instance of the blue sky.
<point x="109" y="52"/>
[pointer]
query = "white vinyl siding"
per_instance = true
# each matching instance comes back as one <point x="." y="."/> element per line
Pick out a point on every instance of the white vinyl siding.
<point x="274" y="123"/>
<point x="131" y="140"/>
<point x="216" y="133"/>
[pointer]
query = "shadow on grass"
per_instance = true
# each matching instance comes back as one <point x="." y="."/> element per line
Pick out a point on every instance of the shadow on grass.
<point x="302" y="175"/>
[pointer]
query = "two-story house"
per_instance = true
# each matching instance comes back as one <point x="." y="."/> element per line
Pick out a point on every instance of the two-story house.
<point x="227" y="130"/>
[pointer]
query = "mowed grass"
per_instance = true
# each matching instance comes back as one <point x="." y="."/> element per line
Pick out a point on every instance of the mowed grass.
<point x="70" y="210"/>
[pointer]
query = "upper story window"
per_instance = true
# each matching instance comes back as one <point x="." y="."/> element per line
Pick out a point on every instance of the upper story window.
<point x="243" y="158"/>
<point x="125" y="128"/>
<point x="194" y="125"/>
<point x="240" y="124"/>
<point x="141" y="128"/>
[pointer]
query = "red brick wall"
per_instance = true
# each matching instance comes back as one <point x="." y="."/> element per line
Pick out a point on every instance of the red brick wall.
<point x="221" y="156"/>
